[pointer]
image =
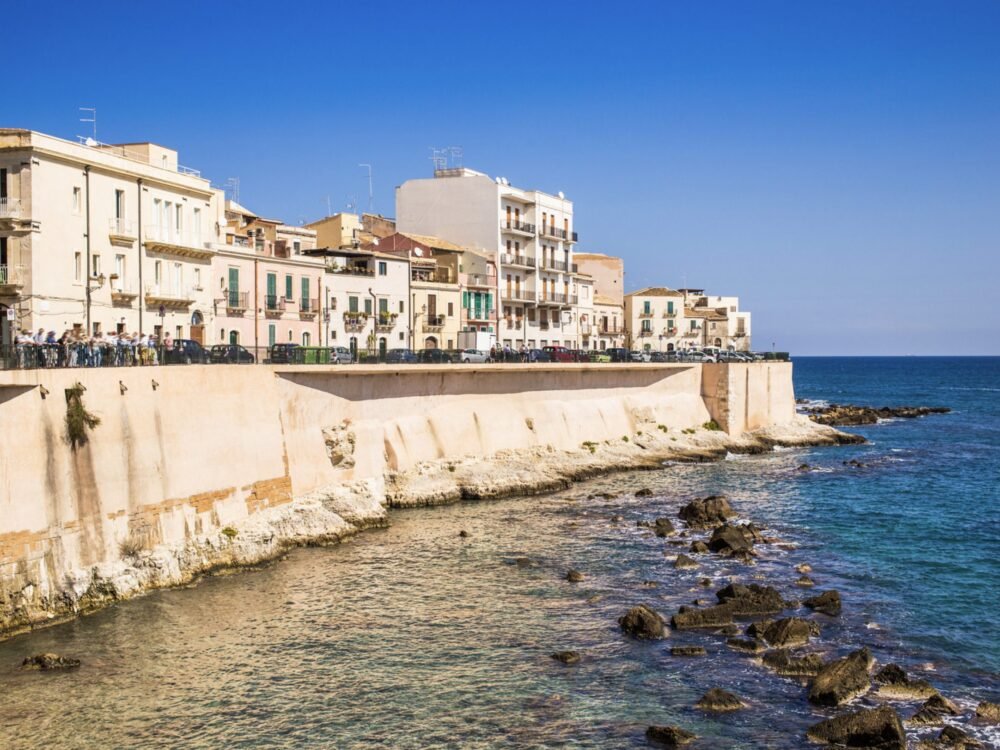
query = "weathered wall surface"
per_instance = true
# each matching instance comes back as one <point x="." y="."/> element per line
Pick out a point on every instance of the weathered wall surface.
<point x="194" y="467"/>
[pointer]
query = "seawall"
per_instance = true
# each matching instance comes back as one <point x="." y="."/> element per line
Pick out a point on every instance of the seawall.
<point x="194" y="468"/>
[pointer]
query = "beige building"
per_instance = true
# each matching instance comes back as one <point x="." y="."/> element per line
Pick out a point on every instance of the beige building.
<point x="477" y="274"/>
<point x="655" y="321"/>
<point x="530" y="234"/>
<point x="99" y="238"/>
<point x="609" y="324"/>
<point x="607" y="313"/>
<point x="716" y="321"/>
<point x="338" y="230"/>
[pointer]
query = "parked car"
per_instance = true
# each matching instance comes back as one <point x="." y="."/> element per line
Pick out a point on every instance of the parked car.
<point x="580" y="355"/>
<point x="617" y="355"/>
<point x="433" y="357"/>
<point x="282" y="354"/>
<point x="230" y="354"/>
<point x="658" y="357"/>
<point x="559" y="354"/>
<point x="636" y="356"/>
<point x="185" y="352"/>
<point x="597" y="356"/>
<point x="473" y="356"/>
<point x="341" y="355"/>
<point x="538" y="355"/>
<point x="400" y="357"/>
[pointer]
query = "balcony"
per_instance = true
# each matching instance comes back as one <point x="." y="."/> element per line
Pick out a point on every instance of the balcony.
<point x="585" y="329"/>
<point x="692" y="333"/>
<point x="236" y="302"/>
<point x="519" y="295"/>
<point x="644" y="332"/>
<point x="385" y="321"/>
<point x="611" y="330"/>
<point x="122" y="232"/>
<point x="514" y="324"/>
<point x="11" y="280"/>
<point x="308" y="308"/>
<point x="433" y="323"/>
<point x="557" y="299"/>
<point x="646" y="314"/>
<point x="554" y="265"/>
<point x="670" y="313"/>
<point x="173" y="299"/>
<point x="480" y="281"/>
<point x="523" y="261"/>
<point x="350" y="270"/>
<point x="274" y="305"/>
<point x="355" y="321"/>
<point x="432" y="275"/>
<point x="10" y="208"/>
<point x="518" y="227"/>
<point x="123" y="293"/>
<point x="572" y="238"/>
<point x="169" y="242"/>
<point x="479" y="314"/>
<point x="552" y="231"/>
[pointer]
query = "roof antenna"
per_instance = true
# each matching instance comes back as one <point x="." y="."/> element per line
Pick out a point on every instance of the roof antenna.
<point x="371" y="196"/>
<point x="92" y="119"/>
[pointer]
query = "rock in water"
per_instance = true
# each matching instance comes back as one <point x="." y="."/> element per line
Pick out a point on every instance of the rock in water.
<point x="893" y="682"/>
<point x="803" y="568"/>
<point x="683" y="561"/>
<point x="670" y="736"/>
<point x="727" y="538"/>
<point x="567" y="657"/>
<point x="843" y="679"/>
<point x="782" y="662"/>
<point x="709" y="617"/>
<point x="717" y="699"/>
<point x="699" y="548"/>
<point x="46" y="662"/>
<point x="706" y="512"/>
<point x="751" y="600"/>
<point x="828" y="603"/>
<point x="988" y="712"/>
<point x="869" y="728"/>
<point x="950" y="738"/>
<point x="463" y="533"/>
<point x="644" y="492"/>
<point x="805" y="581"/>
<point x="746" y="645"/>
<point x="642" y="622"/>
<point x="663" y="527"/>
<point x="789" y="632"/>
<point x="574" y="576"/>
<point x="687" y="651"/>
<point x="933" y="711"/>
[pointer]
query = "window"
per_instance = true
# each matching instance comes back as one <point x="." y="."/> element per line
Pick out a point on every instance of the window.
<point x="383" y="306"/>
<point x="647" y="326"/>
<point x="77" y="266"/>
<point x="197" y="225"/>
<point x="197" y="278"/>
<point x="451" y="311"/>
<point x="119" y="270"/>
<point x="305" y="291"/>
<point x="670" y="308"/>
<point x="352" y="304"/>
<point x="401" y="307"/>
<point x="305" y="339"/>
<point x="271" y="334"/>
<point x="646" y="307"/>
<point x="95" y="265"/>
<point x="368" y="305"/>
<point x="289" y="335"/>
<point x="401" y="336"/>
<point x="158" y="272"/>
<point x="119" y="206"/>
<point x="178" y="278"/>
<point x="289" y="294"/>
<point x="297" y="247"/>
<point x="77" y="199"/>
<point x="383" y="268"/>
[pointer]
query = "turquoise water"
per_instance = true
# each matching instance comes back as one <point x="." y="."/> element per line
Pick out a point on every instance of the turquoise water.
<point x="413" y="637"/>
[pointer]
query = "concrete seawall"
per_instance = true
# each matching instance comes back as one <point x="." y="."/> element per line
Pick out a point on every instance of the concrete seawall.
<point x="193" y="468"/>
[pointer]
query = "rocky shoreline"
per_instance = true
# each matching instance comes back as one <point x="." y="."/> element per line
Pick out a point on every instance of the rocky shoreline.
<point x="846" y="415"/>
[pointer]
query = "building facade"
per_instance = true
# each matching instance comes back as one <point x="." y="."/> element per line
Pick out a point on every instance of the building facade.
<point x="655" y="320"/>
<point x="720" y="322"/>
<point x="99" y="239"/>
<point x="530" y="235"/>
<point x="478" y="279"/>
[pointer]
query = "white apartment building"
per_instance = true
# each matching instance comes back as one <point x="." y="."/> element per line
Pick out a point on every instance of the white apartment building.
<point x="716" y="320"/>
<point x="655" y="320"/>
<point x="101" y="238"/>
<point x="529" y="233"/>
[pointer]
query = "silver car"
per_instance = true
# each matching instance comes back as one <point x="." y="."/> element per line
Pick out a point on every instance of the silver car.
<point x="474" y="356"/>
<point x="340" y="355"/>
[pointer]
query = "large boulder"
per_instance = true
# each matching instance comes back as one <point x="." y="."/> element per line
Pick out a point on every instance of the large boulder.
<point x="782" y="662"/>
<point x="643" y="623"/>
<point x="752" y="599"/>
<point x="893" y="682"/>
<point x="746" y="645"/>
<point x="683" y="561"/>
<point x="707" y="617"/>
<point x="699" y="547"/>
<point x="717" y="699"/>
<point x="730" y="539"/>
<point x="790" y="632"/>
<point x="46" y="662"/>
<point x="669" y="736"/>
<point x="843" y="679"/>
<point x="828" y="603"/>
<point x="933" y="711"/>
<point x="950" y="738"/>
<point x="872" y="728"/>
<point x="706" y="512"/>
<point x="988" y="712"/>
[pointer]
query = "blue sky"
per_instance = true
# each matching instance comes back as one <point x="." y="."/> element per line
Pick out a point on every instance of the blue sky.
<point x="835" y="164"/>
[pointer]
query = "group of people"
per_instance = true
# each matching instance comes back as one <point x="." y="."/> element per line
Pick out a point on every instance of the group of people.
<point x="75" y="349"/>
<point x="506" y="353"/>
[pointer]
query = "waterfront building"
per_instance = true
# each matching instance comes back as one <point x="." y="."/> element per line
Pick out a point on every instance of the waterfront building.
<point x="365" y="299"/>
<point x="478" y="278"/>
<point x="716" y="321"/>
<point x="435" y="293"/>
<point x="529" y="233"/>
<point x="267" y="288"/>
<point x="609" y="323"/>
<point x="608" y="275"/>
<point x="655" y="320"/>
<point x="101" y="239"/>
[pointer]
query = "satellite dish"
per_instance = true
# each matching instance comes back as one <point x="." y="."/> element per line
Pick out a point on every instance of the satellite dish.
<point x="90" y="142"/>
<point x="499" y="181"/>
<point x="418" y="252"/>
<point x="375" y="241"/>
<point x="561" y="195"/>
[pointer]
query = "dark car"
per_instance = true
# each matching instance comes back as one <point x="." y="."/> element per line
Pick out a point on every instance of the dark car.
<point x="581" y="355"/>
<point x="538" y="355"/>
<point x="559" y="354"/>
<point x="282" y="354"/>
<point x="185" y="352"/>
<point x="658" y="357"/>
<point x="433" y="356"/>
<point x="617" y="355"/>
<point x="400" y="357"/>
<point x="230" y="354"/>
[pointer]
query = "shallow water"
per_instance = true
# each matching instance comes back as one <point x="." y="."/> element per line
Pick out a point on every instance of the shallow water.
<point x="415" y="637"/>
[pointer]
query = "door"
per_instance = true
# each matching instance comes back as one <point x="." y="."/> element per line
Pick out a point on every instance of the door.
<point x="271" y="299"/>
<point x="382" y="348"/>
<point x="234" y="337"/>
<point x="234" y="287"/>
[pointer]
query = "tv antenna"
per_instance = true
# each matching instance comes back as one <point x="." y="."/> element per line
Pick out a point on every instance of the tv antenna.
<point x="92" y="111"/>
<point x="232" y="186"/>
<point x="371" y="195"/>
<point x="449" y="157"/>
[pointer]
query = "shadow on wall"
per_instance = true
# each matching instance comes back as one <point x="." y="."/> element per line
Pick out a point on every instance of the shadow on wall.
<point x="363" y="386"/>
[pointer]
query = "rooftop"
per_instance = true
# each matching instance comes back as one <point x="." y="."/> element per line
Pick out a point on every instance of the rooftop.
<point x="655" y="291"/>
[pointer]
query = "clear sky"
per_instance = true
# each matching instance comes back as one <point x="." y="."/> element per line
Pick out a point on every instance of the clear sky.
<point x="835" y="164"/>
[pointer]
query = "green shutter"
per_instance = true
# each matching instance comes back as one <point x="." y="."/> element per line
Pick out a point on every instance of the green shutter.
<point x="465" y="300"/>
<point x="270" y="335"/>
<point x="352" y="304"/>
<point x="288" y="288"/>
<point x="489" y="301"/>
<point x="234" y="280"/>
<point x="383" y="305"/>
<point x="272" y="285"/>
<point x="368" y="305"/>
<point x="305" y="288"/>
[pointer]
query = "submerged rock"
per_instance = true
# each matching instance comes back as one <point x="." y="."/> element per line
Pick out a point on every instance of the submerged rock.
<point x="718" y="699"/>
<point x="699" y="548"/>
<point x="805" y="581"/>
<point x="706" y="512"/>
<point x="756" y="629"/>
<point x="842" y="414"/>
<point x="566" y="657"/>
<point x="710" y="617"/>
<point x="644" y="492"/>
<point x="47" y="661"/>
<point x="643" y="623"/>
<point x="893" y="682"/>
<point x="574" y="576"/>
<point x="782" y="662"/>
<point x="790" y="632"/>
<point x="687" y="651"/>
<point x="683" y="561"/>
<point x="746" y="645"/>
<point x="950" y="738"/>
<point x="868" y="728"/>
<point x="617" y="518"/>
<point x="933" y="711"/>
<point x="843" y="679"/>
<point x="463" y="533"/>
<point x="803" y="568"/>
<point x="669" y="736"/>
<point x="752" y="599"/>
<point x="828" y="603"/>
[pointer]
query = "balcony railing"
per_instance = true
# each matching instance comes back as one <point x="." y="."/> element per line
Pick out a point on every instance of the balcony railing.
<point x="10" y="208"/>
<point x="157" y="295"/>
<point x="237" y="301"/>
<point x="646" y="314"/>
<point x="557" y="298"/>
<point x="518" y="226"/>
<point x="585" y="329"/>
<point x="435" y="275"/>
<point x="517" y="260"/>
<point x="274" y="304"/>
<point x="433" y="323"/>
<point x="552" y="231"/>
<point x="670" y="313"/>
<point x="692" y="332"/>
<point x="520" y="295"/>
<point x="572" y="237"/>
<point x="168" y="240"/>
<point x="611" y="330"/>
<point x="479" y="313"/>
<point x="351" y="270"/>
<point x="355" y="321"/>
<point x="554" y="265"/>
<point x="385" y="321"/>
<point x="121" y="228"/>
<point x="308" y="306"/>
<point x="480" y="280"/>
<point x="11" y="277"/>
<point x="123" y="291"/>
